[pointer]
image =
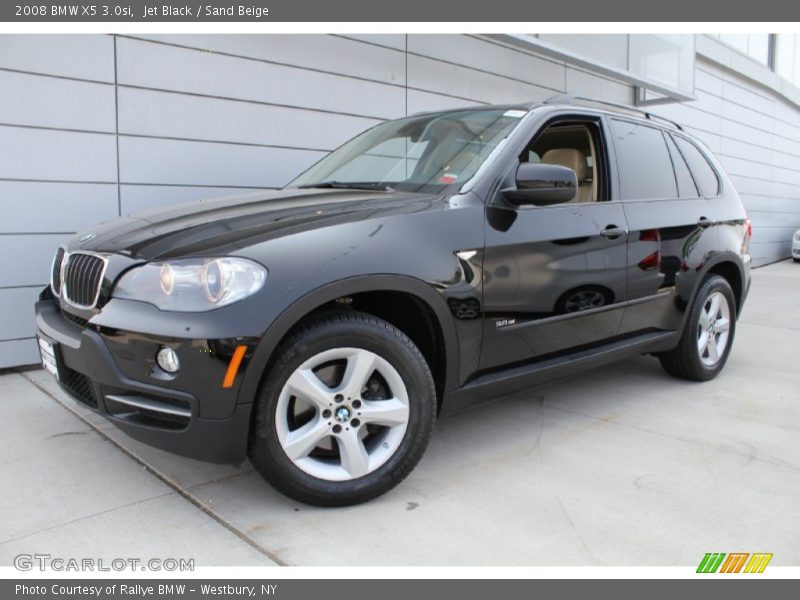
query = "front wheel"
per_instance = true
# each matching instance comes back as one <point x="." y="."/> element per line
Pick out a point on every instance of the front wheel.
<point x="708" y="334"/>
<point x="345" y="412"/>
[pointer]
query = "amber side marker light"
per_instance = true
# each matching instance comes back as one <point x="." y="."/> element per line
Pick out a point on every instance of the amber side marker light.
<point x="233" y="366"/>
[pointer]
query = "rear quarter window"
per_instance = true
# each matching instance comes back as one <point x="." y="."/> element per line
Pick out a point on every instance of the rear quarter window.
<point x="686" y="184"/>
<point x="704" y="173"/>
<point x="644" y="163"/>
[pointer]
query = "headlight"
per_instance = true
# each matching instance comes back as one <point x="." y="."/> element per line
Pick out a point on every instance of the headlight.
<point x="192" y="285"/>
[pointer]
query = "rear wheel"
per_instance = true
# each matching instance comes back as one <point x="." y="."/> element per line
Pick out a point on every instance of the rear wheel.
<point x="345" y="413"/>
<point x="708" y="334"/>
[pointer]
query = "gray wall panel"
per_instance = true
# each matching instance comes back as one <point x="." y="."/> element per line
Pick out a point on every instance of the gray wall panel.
<point x="748" y="97"/>
<point x="424" y="101"/>
<point x="138" y="198"/>
<point x="18" y="352"/>
<point x="319" y="52"/>
<point x="453" y="80"/>
<point x="746" y="116"/>
<point x="784" y="205"/>
<point x="35" y="207"/>
<point x="750" y="152"/>
<point x="166" y="114"/>
<point x="768" y="252"/>
<point x="147" y="160"/>
<point x="706" y="81"/>
<point x="49" y="102"/>
<point x="690" y="116"/>
<point x="17" y="306"/>
<point x="777" y="188"/>
<point x="81" y="56"/>
<point x="32" y="258"/>
<point x="396" y="41"/>
<point x="56" y="155"/>
<point x="480" y="54"/>
<point x="150" y="65"/>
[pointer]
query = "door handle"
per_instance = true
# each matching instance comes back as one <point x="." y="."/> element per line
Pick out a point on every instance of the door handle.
<point x="612" y="232"/>
<point x="704" y="222"/>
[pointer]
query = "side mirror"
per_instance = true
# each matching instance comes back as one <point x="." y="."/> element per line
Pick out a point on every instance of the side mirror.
<point x="541" y="185"/>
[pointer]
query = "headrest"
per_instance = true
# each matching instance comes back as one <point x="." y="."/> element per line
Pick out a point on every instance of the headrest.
<point x="567" y="157"/>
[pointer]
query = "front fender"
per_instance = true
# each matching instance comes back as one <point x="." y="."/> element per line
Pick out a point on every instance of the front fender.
<point x="353" y="285"/>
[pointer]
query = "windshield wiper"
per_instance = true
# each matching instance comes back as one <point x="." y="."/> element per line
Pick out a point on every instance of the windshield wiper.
<point x="349" y="186"/>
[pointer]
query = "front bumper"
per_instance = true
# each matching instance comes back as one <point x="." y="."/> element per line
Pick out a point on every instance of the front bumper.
<point x="114" y="374"/>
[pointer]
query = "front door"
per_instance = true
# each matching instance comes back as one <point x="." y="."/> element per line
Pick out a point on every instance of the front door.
<point x="555" y="276"/>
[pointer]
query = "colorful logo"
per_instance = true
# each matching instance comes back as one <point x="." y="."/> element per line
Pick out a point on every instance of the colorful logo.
<point x="714" y="562"/>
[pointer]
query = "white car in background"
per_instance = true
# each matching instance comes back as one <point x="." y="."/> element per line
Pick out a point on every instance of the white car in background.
<point x="796" y="246"/>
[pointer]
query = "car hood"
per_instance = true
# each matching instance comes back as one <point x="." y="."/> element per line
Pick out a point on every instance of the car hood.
<point x="230" y="224"/>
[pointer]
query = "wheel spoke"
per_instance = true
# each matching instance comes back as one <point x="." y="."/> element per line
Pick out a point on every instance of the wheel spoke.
<point x="713" y="353"/>
<point x="302" y="441"/>
<point x="722" y="325"/>
<point x="360" y="366"/>
<point x="705" y="319"/>
<point x="308" y="386"/>
<point x="384" y="412"/>
<point x="355" y="459"/>
<point x="713" y="310"/>
<point x="702" y="341"/>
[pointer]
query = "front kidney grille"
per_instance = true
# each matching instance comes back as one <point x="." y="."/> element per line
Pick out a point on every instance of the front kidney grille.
<point x="83" y="276"/>
<point x="55" y="279"/>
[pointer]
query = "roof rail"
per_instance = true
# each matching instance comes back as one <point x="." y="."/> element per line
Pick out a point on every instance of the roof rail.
<point x="570" y="99"/>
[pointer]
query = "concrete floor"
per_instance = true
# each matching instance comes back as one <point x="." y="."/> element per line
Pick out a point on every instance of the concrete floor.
<point x="619" y="466"/>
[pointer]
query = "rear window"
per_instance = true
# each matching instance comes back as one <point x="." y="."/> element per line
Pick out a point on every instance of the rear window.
<point x="704" y="173"/>
<point x="644" y="163"/>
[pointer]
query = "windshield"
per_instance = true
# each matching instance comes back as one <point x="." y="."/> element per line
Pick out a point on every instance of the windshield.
<point x="416" y="154"/>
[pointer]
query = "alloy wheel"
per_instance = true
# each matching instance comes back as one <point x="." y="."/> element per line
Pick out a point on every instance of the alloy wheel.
<point x="342" y="414"/>
<point x="713" y="329"/>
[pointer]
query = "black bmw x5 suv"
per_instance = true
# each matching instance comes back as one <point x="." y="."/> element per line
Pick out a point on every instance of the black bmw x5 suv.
<point x="430" y="262"/>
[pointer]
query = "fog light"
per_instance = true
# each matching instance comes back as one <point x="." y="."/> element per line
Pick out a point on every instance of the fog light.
<point x="168" y="360"/>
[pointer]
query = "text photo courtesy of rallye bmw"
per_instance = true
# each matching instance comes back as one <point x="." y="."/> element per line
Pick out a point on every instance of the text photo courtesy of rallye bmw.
<point x="430" y="262"/>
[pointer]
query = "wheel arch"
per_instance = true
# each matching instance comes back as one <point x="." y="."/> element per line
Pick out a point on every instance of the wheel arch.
<point x="729" y="267"/>
<point x="425" y="296"/>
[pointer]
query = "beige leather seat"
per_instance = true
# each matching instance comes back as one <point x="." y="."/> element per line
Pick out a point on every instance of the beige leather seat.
<point x="575" y="160"/>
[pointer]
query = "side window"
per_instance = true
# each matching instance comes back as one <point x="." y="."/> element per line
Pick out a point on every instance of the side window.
<point x="574" y="145"/>
<point x="644" y="163"/>
<point x="704" y="173"/>
<point x="686" y="186"/>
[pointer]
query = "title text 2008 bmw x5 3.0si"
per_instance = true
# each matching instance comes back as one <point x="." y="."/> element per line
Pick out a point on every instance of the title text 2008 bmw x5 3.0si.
<point x="430" y="262"/>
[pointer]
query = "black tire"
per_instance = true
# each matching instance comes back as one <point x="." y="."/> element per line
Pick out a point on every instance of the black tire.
<point x="326" y="332"/>
<point x="684" y="361"/>
<point x="796" y="259"/>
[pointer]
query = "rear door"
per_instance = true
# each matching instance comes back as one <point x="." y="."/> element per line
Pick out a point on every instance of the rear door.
<point x="671" y="226"/>
<point x="555" y="276"/>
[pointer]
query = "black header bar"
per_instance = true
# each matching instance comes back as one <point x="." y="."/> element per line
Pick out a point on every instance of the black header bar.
<point x="440" y="11"/>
